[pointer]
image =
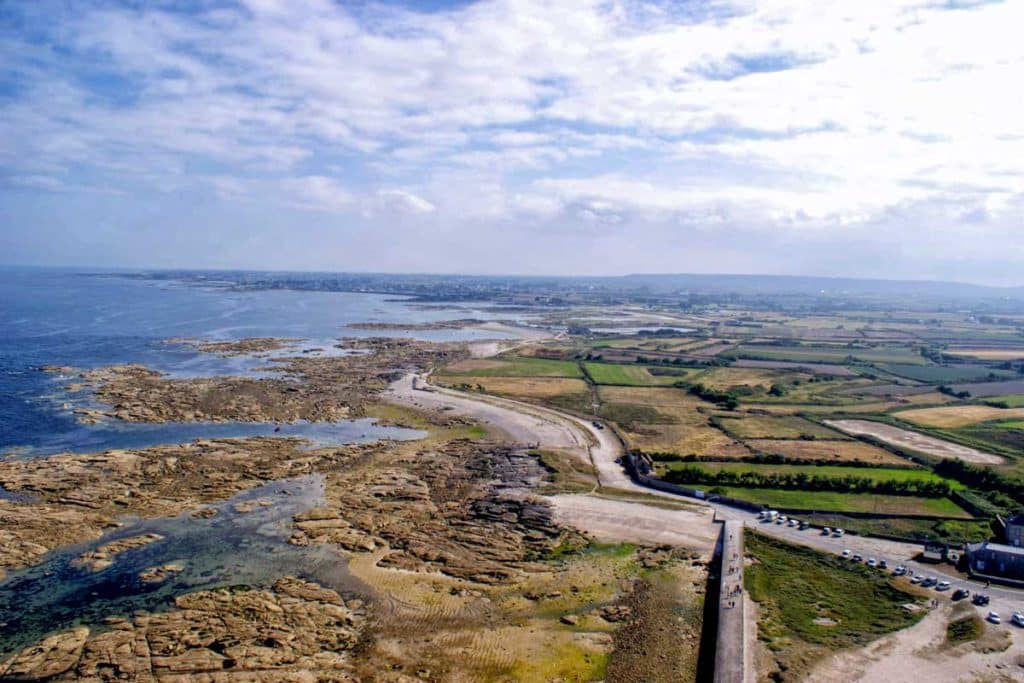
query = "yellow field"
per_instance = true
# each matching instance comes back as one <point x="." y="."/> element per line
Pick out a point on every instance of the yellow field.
<point x="774" y="427"/>
<point x="678" y="426"/>
<point x="838" y="451"/>
<point x="987" y="354"/>
<point x="724" y="378"/>
<point x="950" y="417"/>
<point x="530" y="387"/>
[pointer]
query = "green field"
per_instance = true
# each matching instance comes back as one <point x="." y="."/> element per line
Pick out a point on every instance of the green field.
<point x="812" y="603"/>
<point x="1009" y="401"/>
<point x="1015" y="424"/>
<point x="517" y="366"/>
<point x="846" y="502"/>
<point x="632" y="375"/>
<point x="946" y="373"/>
<point x="948" y="531"/>
<point x="837" y="471"/>
<point x="832" y="354"/>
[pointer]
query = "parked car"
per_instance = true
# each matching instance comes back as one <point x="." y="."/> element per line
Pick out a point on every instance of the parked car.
<point x="838" y="533"/>
<point x="960" y="593"/>
<point x="826" y="531"/>
<point x="846" y="554"/>
<point x="857" y="557"/>
<point x="804" y="525"/>
<point x="900" y="570"/>
<point x="882" y="564"/>
<point x="980" y="600"/>
<point x="793" y="522"/>
<point x="872" y="562"/>
<point x="994" y="618"/>
<point x="597" y="424"/>
<point x="916" y="579"/>
<point x="1018" y="619"/>
<point x="929" y="582"/>
<point x="942" y="586"/>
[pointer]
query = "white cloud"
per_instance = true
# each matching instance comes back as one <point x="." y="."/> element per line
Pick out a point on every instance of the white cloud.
<point x="787" y="115"/>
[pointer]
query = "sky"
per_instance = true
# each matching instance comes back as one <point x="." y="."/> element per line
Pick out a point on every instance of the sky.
<point x="876" y="138"/>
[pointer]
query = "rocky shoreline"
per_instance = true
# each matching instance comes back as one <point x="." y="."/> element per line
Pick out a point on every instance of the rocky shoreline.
<point x="317" y="389"/>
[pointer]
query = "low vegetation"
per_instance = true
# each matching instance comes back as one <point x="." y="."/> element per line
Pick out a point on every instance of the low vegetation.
<point x="964" y="629"/>
<point x="812" y="603"/>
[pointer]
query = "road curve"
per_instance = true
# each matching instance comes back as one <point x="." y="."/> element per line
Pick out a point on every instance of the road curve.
<point x="534" y="425"/>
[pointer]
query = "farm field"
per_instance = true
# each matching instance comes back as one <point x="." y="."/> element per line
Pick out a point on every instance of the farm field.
<point x="985" y="389"/>
<point x="1009" y="401"/>
<point x="846" y="502"/>
<point x="951" y="417"/>
<point x="766" y="427"/>
<point x="1016" y="424"/>
<point x="835" y="451"/>
<point x="832" y="354"/>
<point x="947" y="373"/>
<point x="666" y="421"/>
<point x="514" y="366"/>
<point x="726" y="378"/>
<point x="815" y="368"/>
<point x="986" y="354"/>
<point x="911" y="440"/>
<point x="834" y="471"/>
<point x="633" y="375"/>
<point x="572" y="394"/>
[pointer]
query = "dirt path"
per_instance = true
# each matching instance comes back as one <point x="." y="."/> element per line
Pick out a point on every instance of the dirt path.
<point x="920" y="653"/>
<point x="919" y="442"/>
<point x="619" y="521"/>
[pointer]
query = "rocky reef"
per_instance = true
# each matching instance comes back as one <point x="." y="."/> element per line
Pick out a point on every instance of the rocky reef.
<point x="293" y="631"/>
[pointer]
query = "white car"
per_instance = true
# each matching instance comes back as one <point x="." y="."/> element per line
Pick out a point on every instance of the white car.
<point x="916" y="579"/>
<point x="1018" y="619"/>
<point x="872" y="562"/>
<point x="846" y="554"/>
<point x="942" y="586"/>
<point x="792" y="522"/>
<point x="994" y="618"/>
<point x="900" y="570"/>
<point x="838" y="533"/>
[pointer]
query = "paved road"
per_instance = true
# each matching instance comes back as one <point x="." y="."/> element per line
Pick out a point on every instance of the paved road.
<point x="731" y="645"/>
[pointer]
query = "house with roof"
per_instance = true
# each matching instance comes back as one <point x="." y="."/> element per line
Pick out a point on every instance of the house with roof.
<point x="996" y="561"/>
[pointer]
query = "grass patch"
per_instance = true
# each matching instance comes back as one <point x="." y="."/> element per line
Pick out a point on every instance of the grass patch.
<point x="1015" y="424"/>
<point x="946" y="373"/>
<point x="1008" y="401"/>
<point x="630" y="415"/>
<point x="965" y="629"/>
<point x="514" y="366"/>
<point x="873" y="473"/>
<point x="632" y="375"/>
<point x="831" y="501"/>
<point x="812" y="603"/>
<point x="948" y="531"/>
<point x="832" y="354"/>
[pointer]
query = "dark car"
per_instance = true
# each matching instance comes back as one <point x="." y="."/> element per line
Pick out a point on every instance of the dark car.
<point x="980" y="599"/>
<point x="960" y="593"/>
<point x="882" y="564"/>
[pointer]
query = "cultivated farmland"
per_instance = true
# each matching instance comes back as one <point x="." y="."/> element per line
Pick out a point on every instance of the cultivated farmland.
<point x="833" y="451"/>
<point x="633" y="375"/>
<point x="951" y="417"/>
